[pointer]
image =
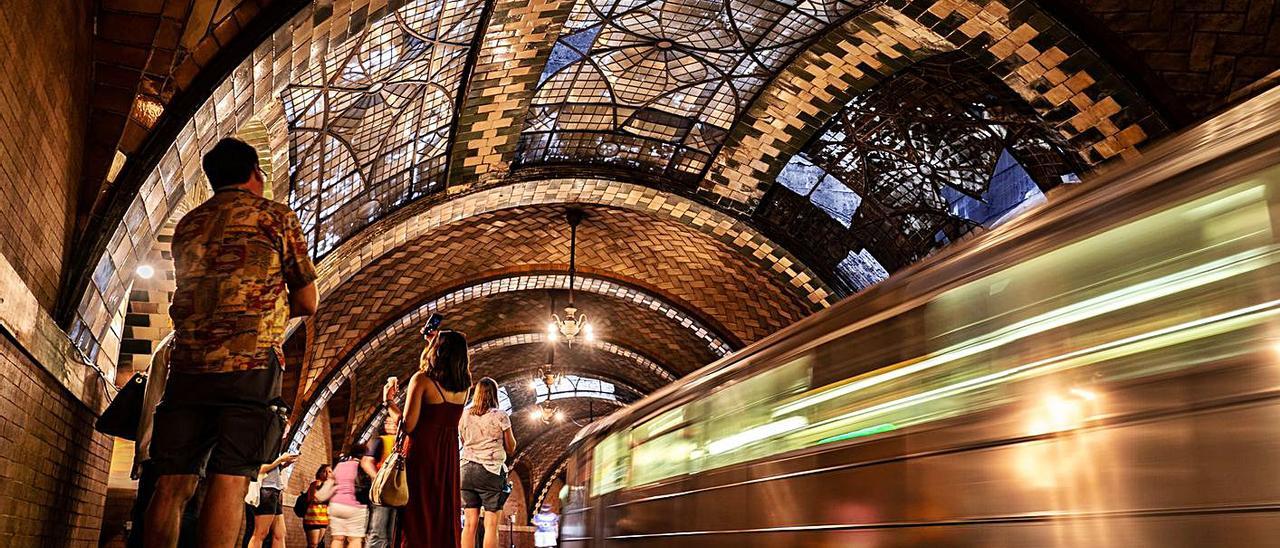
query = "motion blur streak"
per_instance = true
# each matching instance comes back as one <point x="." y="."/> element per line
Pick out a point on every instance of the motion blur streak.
<point x="1102" y="373"/>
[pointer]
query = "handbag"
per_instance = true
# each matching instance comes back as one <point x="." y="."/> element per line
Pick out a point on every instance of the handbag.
<point x="301" y="503"/>
<point x="390" y="487"/>
<point x="120" y="418"/>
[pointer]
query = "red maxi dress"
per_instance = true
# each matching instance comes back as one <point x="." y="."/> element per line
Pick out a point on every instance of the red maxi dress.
<point x="432" y="517"/>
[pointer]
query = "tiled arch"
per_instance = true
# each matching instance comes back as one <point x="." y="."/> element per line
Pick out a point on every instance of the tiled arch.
<point x="370" y="418"/>
<point x="325" y="380"/>
<point x="425" y="216"/>
<point x="1075" y="91"/>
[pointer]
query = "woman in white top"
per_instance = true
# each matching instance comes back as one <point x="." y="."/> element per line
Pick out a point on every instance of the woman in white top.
<point x="486" y="442"/>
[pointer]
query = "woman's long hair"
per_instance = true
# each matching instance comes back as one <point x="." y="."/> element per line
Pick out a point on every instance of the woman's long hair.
<point x="447" y="363"/>
<point x="485" y="398"/>
<point x="322" y="473"/>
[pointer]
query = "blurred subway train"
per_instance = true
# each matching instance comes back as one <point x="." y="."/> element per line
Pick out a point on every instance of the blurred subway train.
<point x="1104" y="371"/>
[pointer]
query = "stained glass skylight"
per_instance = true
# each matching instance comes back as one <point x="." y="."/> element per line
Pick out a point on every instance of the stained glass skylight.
<point x="656" y="85"/>
<point x="934" y="152"/>
<point x="573" y="386"/>
<point x="370" y="122"/>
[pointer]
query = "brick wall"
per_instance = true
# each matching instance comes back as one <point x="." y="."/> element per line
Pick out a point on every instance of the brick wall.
<point x="43" y="111"/>
<point x="53" y="470"/>
<point x="315" y="451"/>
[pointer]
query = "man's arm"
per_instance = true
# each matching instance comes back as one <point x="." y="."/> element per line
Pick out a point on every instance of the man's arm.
<point x="369" y="466"/>
<point x="299" y="272"/>
<point x="369" y="462"/>
<point x="303" y="301"/>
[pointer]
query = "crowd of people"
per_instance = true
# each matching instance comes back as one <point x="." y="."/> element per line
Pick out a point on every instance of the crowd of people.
<point x="210" y="463"/>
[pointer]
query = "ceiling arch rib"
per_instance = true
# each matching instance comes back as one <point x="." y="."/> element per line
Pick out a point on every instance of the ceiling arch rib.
<point x="707" y="277"/>
<point x="1042" y="61"/>
<point x="425" y="216"/>
<point x="400" y="333"/>
<point x="520" y="395"/>
<point x="519" y="358"/>
<point x="606" y="346"/>
<point x="642" y="331"/>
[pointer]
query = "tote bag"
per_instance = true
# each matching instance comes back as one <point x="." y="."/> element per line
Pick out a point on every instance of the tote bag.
<point x="390" y="488"/>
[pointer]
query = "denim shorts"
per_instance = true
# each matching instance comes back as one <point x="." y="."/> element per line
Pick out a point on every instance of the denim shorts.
<point x="482" y="488"/>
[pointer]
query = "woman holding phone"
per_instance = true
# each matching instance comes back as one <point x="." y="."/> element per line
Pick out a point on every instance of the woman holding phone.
<point x="433" y="405"/>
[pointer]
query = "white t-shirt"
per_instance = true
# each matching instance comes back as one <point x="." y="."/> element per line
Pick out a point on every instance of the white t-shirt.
<point x="482" y="437"/>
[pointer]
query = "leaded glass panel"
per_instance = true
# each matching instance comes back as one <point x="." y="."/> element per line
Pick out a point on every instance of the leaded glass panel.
<point x="370" y="121"/>
<point x="656" y="85"/>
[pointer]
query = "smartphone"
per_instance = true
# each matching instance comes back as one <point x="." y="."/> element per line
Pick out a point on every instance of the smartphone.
<point x="433" y="323"/>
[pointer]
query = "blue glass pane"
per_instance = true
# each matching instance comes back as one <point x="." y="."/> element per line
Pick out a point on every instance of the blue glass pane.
<point x="800" y="176"/>
<point x="567" y="50"/>
<point x="1010" y="190"/>
<point x="582" y="39"/>
<point x="861" y="270"/>
<point x="836" y="199"/>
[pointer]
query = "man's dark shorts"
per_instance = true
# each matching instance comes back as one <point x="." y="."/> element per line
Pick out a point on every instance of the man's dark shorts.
<point x="269" y="504"/>
<point x="214" y="423"/>
<point x="482" y="488"/>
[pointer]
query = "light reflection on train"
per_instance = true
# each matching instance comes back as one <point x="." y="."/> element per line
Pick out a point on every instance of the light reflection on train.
<point x="1103" y="372"/>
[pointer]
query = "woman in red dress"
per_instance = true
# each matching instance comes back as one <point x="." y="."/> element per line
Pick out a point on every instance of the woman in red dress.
<point x="433" y="405"/>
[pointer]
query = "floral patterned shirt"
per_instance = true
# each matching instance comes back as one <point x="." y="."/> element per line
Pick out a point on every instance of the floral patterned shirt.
<point x="236" y="257"/>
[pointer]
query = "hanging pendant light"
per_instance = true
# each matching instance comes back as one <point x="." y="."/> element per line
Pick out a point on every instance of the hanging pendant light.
<point x="573" y="326"/>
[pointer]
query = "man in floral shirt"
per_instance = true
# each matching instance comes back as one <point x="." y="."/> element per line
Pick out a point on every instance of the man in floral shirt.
<point x="242" y="272"/>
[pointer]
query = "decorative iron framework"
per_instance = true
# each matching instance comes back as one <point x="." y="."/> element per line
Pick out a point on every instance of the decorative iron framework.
<point x="922" y="159"/>
<point x="371" y="121"/>
<point x="656" y="85"/>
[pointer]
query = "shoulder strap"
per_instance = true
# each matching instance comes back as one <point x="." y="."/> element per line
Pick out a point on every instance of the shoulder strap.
<point x="439" y="391"/>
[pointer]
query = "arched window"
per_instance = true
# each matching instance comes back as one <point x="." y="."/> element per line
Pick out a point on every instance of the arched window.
<point x="573" y="386"/>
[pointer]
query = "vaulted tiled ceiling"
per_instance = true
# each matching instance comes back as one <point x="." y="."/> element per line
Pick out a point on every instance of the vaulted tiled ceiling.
<point x="742" y="164"/>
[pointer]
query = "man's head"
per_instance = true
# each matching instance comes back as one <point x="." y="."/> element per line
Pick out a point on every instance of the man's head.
<point x="231" y="163"/>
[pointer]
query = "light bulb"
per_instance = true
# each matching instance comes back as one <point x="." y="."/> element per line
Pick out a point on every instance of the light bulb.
<point x="145" y="271"/>
<point x="537" y="413"/>
<point x="589" y="332"/>
<point x="559" y="416"/>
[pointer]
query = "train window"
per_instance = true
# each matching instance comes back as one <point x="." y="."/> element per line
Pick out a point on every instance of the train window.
<point x="611" y="461"/>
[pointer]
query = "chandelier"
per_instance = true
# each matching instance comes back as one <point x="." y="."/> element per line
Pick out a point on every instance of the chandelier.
<point x="573" y="325"/>
<point x="546" y="411"/>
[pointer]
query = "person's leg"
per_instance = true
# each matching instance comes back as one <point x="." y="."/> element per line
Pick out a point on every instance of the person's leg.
<point x="339" y="542"/>
<point x="137" y="514"/>
<point x="314" y="536"/>
<point x="491" y="526"/>
<point x="261" y="528"/>
<point x="379" y="526"/>
<point x="277" y="532"/>
<point x="189" y="530"/>
<point x="355" y="542"/>
<point x="223" y="505"/>
<point x="164" y="513"/>
<point x="471" y="523"/>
